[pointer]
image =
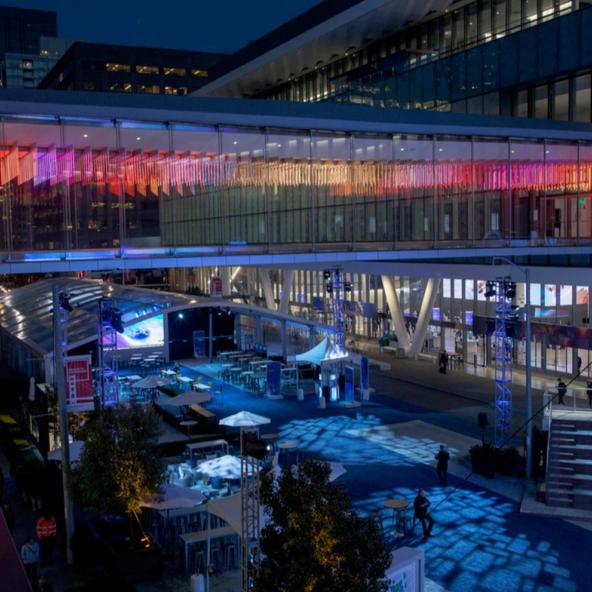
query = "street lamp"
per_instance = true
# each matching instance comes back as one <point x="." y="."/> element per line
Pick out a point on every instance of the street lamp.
<point x="526" y="272"/>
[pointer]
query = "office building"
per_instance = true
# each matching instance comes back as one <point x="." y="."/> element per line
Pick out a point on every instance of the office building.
<point x="120" y="68"/>
<point x="525" y="58"/>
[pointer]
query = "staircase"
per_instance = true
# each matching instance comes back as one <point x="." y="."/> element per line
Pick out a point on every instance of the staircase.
<point x="569" y="461"/>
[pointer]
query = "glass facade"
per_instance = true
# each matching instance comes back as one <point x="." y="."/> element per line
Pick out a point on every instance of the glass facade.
<point x="78" y="184"/>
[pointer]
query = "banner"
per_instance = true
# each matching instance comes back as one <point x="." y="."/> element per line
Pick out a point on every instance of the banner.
<point x="199" y="344"/>
<point x="364" y="373"/>
<point x="274" y="375"/>
<point x="79" y="383"/>
<point x="216" y="286"/>
<point x="349" y="384"/>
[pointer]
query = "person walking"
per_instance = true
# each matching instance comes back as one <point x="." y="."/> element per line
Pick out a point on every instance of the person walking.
<point x="442" y="458"/>
<point x="421" y="507"/>
<point x="30" y="559"/>
<point x="46" y="534"/>
<point x="561" y="391"/>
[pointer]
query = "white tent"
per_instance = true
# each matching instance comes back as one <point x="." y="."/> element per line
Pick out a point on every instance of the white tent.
<point x="244" y="419"/>
<point x="173" y="497"/>
<point x="151" y="382"/>
<point x="188" y="398"/>
<point x="226" y="467"/>
<point x="314" y="355"/>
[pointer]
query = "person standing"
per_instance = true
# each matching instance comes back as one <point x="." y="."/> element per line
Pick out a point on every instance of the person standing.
<point x="561" y="391"/>
<point x="589" y="393"/>
<point x="421" y="507"/>
<point x="30" y="559"/>
<point x="579" y="364"/>
<point x="442" y="458"/>
<point x="46" y="533"/>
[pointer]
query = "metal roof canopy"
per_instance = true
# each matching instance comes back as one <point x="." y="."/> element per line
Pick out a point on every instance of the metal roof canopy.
<point x="26" y="313"/>
<point x="149" y="110"/>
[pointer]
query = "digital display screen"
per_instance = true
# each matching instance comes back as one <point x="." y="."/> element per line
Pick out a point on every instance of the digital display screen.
<point x="146" y="333"/>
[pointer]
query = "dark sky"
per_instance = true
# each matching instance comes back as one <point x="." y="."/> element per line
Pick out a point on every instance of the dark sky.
<point x="210" y="25"/>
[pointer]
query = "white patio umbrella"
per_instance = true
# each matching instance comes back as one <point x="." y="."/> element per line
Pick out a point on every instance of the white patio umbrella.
<point x="75" y="448"/>
<point x="189" y="398"/>
<point x="244" y="419"/>
<point x="226" y="467"/>
<point x="173" y="497"/>
<point x="151" y="382"/>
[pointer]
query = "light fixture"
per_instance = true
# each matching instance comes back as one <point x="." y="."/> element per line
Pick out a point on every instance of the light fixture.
<point x="85" y="135"/>
<point x="180" y="316"/>
<point x="138" y="138"/>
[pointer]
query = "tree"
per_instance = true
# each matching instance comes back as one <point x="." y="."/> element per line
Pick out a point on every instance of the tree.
<point x="314" y="542"/>
<point x="119" y="466"/>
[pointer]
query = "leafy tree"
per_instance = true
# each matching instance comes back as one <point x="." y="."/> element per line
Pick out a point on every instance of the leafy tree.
<point x="119" y="466"/>
<point x="314" y="542"/>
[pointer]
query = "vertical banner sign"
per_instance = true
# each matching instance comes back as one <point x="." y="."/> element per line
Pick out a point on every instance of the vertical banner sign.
<point x="199" y="344"/>
<point x="216" y="286"/>
<point x="349" y="384"/>
<point x="364" y="373"/>
<point x="79" y="384"/>
<point x="274" y="374"/>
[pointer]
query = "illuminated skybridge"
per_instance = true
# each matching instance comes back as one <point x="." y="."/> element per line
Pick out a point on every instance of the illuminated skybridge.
<point x="92" y="181"/>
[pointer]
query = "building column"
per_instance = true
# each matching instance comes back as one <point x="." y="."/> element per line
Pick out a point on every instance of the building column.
<point x="287" y="282"/>
<point x="267" y="289"/>
<point x="425" y="314"/>
<point x="225" y="276"/>
<point x="392" y="301"/>
<point x="284" y="332"/>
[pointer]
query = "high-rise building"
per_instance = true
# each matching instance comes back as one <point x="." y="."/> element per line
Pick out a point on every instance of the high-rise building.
<point x="121" y="68"/>
<point x="525" y="58"/>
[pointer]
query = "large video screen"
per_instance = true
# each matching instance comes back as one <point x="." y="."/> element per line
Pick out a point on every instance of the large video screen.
<point x="146" y="333"/>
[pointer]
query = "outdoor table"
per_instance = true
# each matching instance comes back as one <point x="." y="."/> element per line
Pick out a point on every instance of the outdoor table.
<point x="188" y="423"/>
<point x="134" y="378"/>
<point x="200" y="386"/>
<point x="399" y="507"/>
<point x="185" y="379"/>
<point x="166" y="372"/>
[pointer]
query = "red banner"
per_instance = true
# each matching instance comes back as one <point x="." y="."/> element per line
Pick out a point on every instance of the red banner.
<point x="79" y="384"/>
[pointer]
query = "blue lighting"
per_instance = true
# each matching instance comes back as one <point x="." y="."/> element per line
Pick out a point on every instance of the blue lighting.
<point x="181" y="316"/>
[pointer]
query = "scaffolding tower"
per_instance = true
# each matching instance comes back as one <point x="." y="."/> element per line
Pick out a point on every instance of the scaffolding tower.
<point x="504" y="309"/>
<point x="108" y="370"/>
<point x="250" y="513"/>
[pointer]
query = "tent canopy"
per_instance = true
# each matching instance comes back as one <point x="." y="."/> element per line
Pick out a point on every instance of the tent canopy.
<point x="151" y="382"/>
<point x="314" y="355"/>
<point x="173" y="497"/>
<point x="244" y="419"/>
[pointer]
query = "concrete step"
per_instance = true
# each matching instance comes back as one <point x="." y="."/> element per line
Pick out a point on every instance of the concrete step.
<point x="560" y="502"/>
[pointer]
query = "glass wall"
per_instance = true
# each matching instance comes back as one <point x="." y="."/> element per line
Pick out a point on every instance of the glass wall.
<point x="125" y="184"/>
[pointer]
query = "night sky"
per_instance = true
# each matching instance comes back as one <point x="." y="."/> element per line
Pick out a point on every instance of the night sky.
<point x="209" y="25"/>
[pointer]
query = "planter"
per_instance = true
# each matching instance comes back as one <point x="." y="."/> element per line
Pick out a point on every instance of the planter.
<point x="133" y="565"/>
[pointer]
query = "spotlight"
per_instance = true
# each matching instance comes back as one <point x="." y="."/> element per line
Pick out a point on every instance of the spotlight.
<point x="181" y="316"/>
<point x="65" y="302"/>
<point x="490" y="290"/>
<point x="510" y="290"/>
<point x="116" y="321"/>
<point x="253" y="446"/>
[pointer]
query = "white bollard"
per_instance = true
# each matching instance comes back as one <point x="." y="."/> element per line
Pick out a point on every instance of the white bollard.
<point x="300" y="394"/>
<point x="198" y="583"/>
<point x="365" y="394"/>
<point x="322" y="403"/>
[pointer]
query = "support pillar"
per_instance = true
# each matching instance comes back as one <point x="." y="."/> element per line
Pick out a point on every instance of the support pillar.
<point x="392" y="301"/>
<point x="425" y="314"/>
<point x="267" y="289"/>
<point x="225" y="276"/>
<point x="287" y="282"/>
<point x="284" y="330"/>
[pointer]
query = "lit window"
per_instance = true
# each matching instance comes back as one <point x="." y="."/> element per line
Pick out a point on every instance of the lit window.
<point x="147" y="69"/>
<point x="152" y="89"/>
<point x="120" y="87"/>
<point x="200" y="73"/>
<point x="170" y="71"/>
<point x="174" y="90"/>
<point x="117" y="67"/>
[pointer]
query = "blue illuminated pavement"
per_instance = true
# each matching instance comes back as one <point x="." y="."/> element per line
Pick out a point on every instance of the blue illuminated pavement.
<point x="480" y="542"/>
